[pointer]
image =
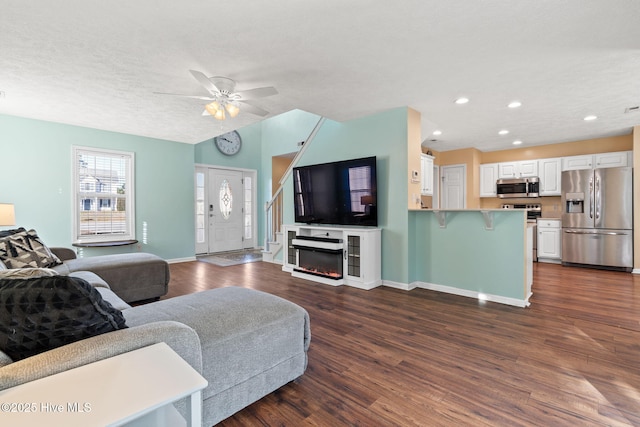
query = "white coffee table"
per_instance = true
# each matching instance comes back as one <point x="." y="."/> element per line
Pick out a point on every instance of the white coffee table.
<point x="132" y="389"/>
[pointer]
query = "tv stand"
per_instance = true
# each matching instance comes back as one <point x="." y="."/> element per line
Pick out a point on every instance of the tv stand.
<point x="334" y="255"/>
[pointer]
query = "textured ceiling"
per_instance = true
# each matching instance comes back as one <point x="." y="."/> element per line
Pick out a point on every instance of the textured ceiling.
<point x="97" y="64"/>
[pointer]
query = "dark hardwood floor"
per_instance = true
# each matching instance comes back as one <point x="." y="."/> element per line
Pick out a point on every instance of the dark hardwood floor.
<point x="388" y="357"/>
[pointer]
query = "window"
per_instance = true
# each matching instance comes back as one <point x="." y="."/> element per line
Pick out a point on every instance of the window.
<point x="201" y="216"/>
<point x="103" y="195"/>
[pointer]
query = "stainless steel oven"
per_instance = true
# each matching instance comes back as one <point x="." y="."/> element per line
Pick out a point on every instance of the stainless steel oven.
<point x="534" y="211"/>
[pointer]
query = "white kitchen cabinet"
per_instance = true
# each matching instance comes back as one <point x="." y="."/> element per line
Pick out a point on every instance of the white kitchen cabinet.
<point x="521" y="169"/>
<point x="426" y="163"/>
<point x="549" y="240"/>
<point x="550" y="176"/>
<point x="613" y="160"/>
<point x="488" y="178"/>
<point x="574" y="163"/>
<point x="597" y="161"/>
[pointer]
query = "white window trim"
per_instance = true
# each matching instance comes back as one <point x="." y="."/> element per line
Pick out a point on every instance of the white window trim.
<point x="129" y="199"/>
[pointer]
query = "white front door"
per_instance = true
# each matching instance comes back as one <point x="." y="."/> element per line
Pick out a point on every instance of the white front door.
<point x="454" y="187"/>
<point x="225" y="210"/>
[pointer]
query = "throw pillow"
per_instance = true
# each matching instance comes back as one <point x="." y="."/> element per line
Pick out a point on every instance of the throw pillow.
<point x="24" y="273"/>
<point x="5" y="233"/>
<point x="25" y="249"/>
<point x="39" y="314"/>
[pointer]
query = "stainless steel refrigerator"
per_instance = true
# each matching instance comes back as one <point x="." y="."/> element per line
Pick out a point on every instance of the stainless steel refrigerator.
<point x="597" y="218"/>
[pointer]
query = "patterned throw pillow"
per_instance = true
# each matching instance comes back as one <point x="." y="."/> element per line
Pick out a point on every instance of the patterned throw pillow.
<point x="39" y="314"/>
<point x="25" y="249"/>
<point x="25" y="273"/>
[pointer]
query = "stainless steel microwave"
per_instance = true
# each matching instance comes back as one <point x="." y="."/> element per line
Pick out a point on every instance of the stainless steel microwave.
<point x="518" y="187"/>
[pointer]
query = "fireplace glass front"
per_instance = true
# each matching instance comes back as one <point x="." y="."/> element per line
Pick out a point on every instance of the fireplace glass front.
<point x="320" y="262"/>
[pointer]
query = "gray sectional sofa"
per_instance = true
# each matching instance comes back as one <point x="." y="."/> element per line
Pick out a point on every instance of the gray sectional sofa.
<point x="244" y="342"/>
<point x="133" y="277"/>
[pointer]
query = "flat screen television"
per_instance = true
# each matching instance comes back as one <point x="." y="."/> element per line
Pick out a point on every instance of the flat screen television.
<point x="337" y="193"/>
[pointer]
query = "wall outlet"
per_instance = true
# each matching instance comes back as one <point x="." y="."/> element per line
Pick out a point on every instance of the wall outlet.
<point x="415" y="176"/>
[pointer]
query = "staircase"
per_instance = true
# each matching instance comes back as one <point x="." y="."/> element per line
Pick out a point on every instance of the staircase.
<point x="273" y="240"/>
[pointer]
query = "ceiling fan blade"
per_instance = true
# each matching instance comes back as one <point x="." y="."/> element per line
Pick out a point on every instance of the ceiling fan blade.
<point x="249" y="108"/>
<point x="260" y="92"/>
<point x="204" y="81"/>
<point x="205" y="98"/>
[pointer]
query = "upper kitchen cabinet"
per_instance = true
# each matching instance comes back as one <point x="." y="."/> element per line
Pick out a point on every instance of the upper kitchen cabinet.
<point x="613" y="160"/>
<point x="550" y="176"/>
<point x="522" y="169"/>
<point x="577" y="163"/>
<point x="595" y="161"/>
<point x="426" y="163"/>
<point x="488" y="178"/>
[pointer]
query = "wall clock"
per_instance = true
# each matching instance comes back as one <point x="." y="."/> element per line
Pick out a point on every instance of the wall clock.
<point x="228" y="143"/>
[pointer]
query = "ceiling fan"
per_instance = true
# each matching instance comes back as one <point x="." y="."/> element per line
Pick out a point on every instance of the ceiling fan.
<point x="224" y="99"/>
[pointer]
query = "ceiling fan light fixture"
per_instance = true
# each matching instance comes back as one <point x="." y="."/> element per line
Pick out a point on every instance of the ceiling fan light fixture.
<point x="232" y="109"/>
<point x="212" y="108"/>
<point x="219" y="114"/>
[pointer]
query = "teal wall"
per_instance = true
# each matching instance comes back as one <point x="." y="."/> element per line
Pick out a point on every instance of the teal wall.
<point x="466" y="256"/>
<point x="37" y="179"/>
<point x="383" y="135"/>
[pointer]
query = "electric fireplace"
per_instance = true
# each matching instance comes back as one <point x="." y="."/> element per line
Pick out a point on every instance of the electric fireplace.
<point x="319" y="256"/>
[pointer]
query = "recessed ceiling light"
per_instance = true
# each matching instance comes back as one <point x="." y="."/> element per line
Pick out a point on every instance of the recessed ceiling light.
<point x="518" y="142"/>
<point x="503" y="132"/>
<point x="437" y="132"/>
<point x="462" y="100"/>
<point x="514" y="104"/>
<point x="589" y="118"/>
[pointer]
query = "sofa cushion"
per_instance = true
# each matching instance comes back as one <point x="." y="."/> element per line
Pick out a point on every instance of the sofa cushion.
<point x="39" y="314"/>
<point x="25" y="249"/>
<point x="92" y="278"/>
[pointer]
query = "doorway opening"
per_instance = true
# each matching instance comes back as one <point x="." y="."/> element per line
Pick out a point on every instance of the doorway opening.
<point x="225" y="209"/>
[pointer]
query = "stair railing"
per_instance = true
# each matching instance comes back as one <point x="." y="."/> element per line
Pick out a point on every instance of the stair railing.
<point x="274" y="207"/>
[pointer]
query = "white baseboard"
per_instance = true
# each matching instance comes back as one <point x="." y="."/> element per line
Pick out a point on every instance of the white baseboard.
<point x="635" y="271"/>
<point x="178" y="260"/>
<point x="272" y="261"/>
<point x="398" y="285"/>
<point x="472" y="294"/>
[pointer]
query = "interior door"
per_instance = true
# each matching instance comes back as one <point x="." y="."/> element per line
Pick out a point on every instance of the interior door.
<point x="225" y="210"/>
<point x="454" y="187"/>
